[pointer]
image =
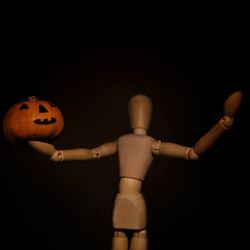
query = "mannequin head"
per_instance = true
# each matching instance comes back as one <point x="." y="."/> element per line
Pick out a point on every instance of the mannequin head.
<point x="140" y="111"/>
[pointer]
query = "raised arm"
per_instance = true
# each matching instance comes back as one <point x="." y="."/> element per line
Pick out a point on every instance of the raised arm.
<point x="231" y="106"/>
<point x="80" y="154"/>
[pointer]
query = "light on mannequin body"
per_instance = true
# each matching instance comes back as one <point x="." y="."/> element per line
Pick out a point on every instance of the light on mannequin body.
<point x="136" y="152"/>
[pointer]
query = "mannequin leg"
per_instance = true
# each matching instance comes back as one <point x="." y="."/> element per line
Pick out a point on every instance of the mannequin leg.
<point x="120" y="241"/>
<point x="139" y="240"/>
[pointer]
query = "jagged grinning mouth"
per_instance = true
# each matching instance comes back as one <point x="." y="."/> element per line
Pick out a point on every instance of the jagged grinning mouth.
<point x="45" y="121"/>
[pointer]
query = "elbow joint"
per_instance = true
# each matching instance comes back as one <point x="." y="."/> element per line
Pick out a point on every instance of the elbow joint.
<point x="191" y="155"/>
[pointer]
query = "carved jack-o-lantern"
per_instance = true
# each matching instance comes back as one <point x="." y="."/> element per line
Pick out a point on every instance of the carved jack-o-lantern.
<point x="33" y="120"/>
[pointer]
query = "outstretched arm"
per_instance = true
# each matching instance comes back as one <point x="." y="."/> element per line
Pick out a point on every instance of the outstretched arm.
<point x="231" y="106"/>
<point x="103" y="150"/>
<point x="174" y="150"/>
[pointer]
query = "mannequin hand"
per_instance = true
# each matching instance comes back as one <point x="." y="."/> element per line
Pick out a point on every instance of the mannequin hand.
<point x="232" y="104"/>
<point x="43" y="147"/>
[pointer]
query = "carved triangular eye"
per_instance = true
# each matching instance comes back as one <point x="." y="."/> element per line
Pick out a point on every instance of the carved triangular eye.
<point x="42" y="109"/>
<point x="24" y="106"/>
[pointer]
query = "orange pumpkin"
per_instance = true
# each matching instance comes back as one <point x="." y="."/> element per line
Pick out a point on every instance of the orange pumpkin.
<point x="33" y="120"/>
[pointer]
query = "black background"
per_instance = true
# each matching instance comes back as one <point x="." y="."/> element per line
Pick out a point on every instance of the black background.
<point x="47" y="205"/>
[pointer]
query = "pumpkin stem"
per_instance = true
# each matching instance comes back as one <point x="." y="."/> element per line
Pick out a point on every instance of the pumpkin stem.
<point x="32" y="98"/>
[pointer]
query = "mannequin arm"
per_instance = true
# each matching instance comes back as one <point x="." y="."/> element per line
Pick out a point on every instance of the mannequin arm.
<point x="231" y="106"/>
<point x="207" y="140"/>
<point x="103" y="150"/>
<point x="174" y="150"/>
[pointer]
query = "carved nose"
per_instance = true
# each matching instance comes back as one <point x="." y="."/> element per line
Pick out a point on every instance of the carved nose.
<point x="42" y="109"/>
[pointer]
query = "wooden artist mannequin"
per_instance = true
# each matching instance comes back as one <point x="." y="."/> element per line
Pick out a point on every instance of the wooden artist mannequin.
<point x="136" y="152"/>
